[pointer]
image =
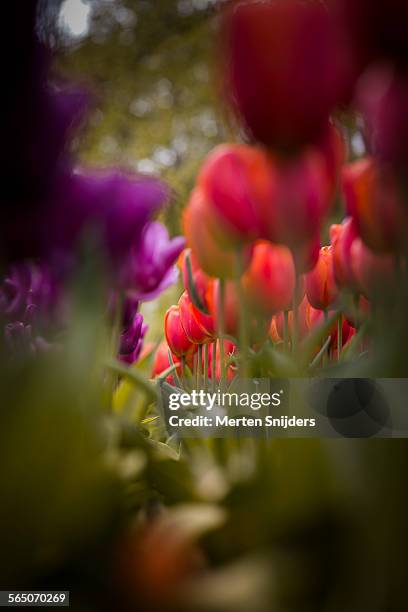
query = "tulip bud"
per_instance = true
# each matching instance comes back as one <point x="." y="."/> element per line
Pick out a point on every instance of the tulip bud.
<point x="239" y="185"/>
<point x="270" y="280"/>
<point x="199" y="228"/>
<point x="321" y="289"/>
<point x="176" y="337"/>
<point x="375" y="273"/>
<point x="342" y="238"/>
<point x="285" y="69"/>
<point x="373" y="200"/>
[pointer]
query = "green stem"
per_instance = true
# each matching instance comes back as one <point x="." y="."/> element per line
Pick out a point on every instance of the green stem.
<point x="243" y="319"/>
<point x="339" y="337"/>
<point x="286" y="330"/>
<point x="220" y="312"/>
<point x="214" y="365"/>
<point x="326" y="355"/>
<point x="295" y="316"/>
<point x="183" y="370"/>
<point x="199" y="365"/>
<point x="205" y="367"/>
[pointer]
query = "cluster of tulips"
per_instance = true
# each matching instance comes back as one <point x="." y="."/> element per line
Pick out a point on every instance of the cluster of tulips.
<point x="256" y="270"/>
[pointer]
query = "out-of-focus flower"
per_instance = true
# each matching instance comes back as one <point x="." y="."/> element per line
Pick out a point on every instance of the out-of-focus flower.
<point x="230" y="306"/>
<point x="270" y="280"/>
<point x="214" y="259"/>
<point x="114" y="205"/>
<point x="374" y="201"/>
<point x="161" y="362"/>
<point x="306" y="255"/>
<point x="302" y="321"/>
<point x="239" y="185"/>
<point x="286" y="69"/>
<point x="382" y="97"/>
<point x="334" y="150"/>
<point x="321" y="288"/>
<point x="131" y="340"/>
<point x="151" y="268"/>
<point x="176" y="337"/>
<point x="342" y="238"/>
<point x="29" y="306"/>
<point x="376" y="30"/>
<point x="375" y="273"/>
<point x="303" y="201"/>
<point x="195" y="323"/>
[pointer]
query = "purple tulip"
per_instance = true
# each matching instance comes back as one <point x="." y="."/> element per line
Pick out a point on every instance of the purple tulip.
<point x="150" y="269"/>
<point x="131" y="340"/>
<point x="113" y="205"/>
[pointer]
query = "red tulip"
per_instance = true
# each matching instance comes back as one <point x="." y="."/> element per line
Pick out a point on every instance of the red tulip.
<point x="239" y="185"/>
<point x="161" y="362"/>
<point x="374" y="273"/>
<point x="176" y="337"/>
<point x="285" y="69"/>
<point x="199" y="328"/>
<point x="321" y="289"/>
<point x="342" y="238"/>
<point x="273" y="330"/>
<point x="373" y="200"/>
<point x="201" y="232"/>
<point x="303" y="200"/>
<point x="270" y="280"/>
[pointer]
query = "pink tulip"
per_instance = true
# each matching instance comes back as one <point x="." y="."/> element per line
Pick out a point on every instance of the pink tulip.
<point x="374" y="201"/>
<point x="383" y="99"/>
<point x="374" y="273"/>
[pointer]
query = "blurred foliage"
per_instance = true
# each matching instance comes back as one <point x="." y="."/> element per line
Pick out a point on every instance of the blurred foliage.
<point x="150" y="68"/>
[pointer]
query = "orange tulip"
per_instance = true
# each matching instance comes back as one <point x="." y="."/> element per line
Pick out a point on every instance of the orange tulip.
<point x="321" y="288"/>
<point x="270" y="280"/>
<point x="176" y="337"/>
<point x="201" y="231"/>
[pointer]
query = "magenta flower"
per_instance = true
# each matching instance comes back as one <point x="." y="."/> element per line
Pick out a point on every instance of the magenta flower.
<point x="150" y="268"/>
